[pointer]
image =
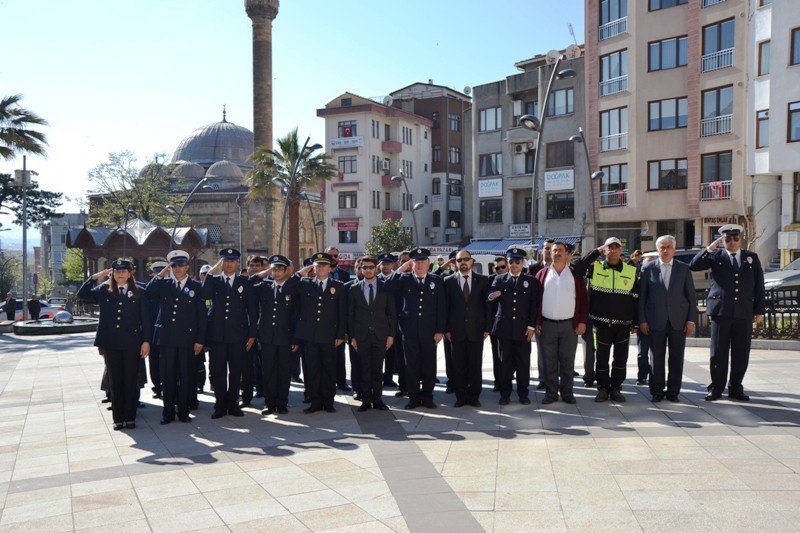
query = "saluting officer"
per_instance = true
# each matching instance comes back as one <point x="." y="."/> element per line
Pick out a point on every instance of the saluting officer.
<point x="515" y="324"/>
<point x="231" y="329"/>
<point x="321" y="327"/>
<point x="423" y="322"/>
<point x="735" y="301"/>
<point x="277" y="317"/>
<point x="123" y="335"/>
<point x="179" y="332"/>
<point x="394" y="355"/>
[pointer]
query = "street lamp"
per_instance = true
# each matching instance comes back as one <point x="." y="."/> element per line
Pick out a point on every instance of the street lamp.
<point x="23" y="178"/>
<point x="533" y="123"/>
<point x="417" y="206"/>
<point x="580" y="139"/>
<point x="179" y="214"/>
<point x="124" y="231"/>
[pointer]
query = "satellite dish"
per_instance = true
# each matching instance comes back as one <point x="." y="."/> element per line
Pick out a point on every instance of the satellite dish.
<point x="573" y="51"/>
<point x="388" y="100"/>
<point x="552" y="56"/>
<point x="467" y="90"/>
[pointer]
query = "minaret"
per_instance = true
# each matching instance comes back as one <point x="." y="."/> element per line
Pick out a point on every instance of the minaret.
<point x="262" y="13"/>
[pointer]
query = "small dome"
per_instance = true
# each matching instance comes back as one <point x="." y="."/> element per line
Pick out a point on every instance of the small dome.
<point x="185" y="169"/>
<point x="153" y="169"/>
<point x="224" y="169"/>
<point x="216" y="142"/>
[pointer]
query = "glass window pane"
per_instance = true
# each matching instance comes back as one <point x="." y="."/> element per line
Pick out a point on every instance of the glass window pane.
<point x="623" y="175"/>
<point x="726" y="101"/>
<point x="726" y="33"/>
<point x="499" y="117"/>
<point x="655" y="56"/>
<point x="623" y="63"/>
<point x="763" y="58"/>
<point x="709" y="104"/>
<point x="683" y="51"/>
<point x="623" y="120"/>
<point x="794" y="126"/>
<point x="725" y="171"/>
<point x="683" y="112"/>
<point x="668" y="54"/>
<point x="709" y="168"/>
<point x="561" y="102"/>
<point x="613" y="66"/>
<point x="613" y="122"/>
<point x="710" y="37"/>
<point x="623" y="8"/>
<point x="655" y="122"/>
<point x="570" y="101"/>
<point x="668" y="114"/>
<point x="653" y="175"/>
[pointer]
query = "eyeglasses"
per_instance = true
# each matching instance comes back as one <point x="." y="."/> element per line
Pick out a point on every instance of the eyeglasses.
<point x="734" y="238"/>
<point x="368" y="267"/>
<point x="500" y="267"/>
<point x="515" y="261"/>
<point x="335" y="256"/>
<point x="463" y="260"/>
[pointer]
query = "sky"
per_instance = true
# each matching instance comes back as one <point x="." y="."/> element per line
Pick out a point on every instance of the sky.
<point x="140" y="75"/>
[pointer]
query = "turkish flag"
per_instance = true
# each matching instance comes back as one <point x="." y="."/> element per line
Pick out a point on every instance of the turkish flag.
<point x="347" y="131"/>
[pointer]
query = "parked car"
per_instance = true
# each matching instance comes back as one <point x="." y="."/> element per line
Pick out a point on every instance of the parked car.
<point x="702" y="280"/>
<point x="786" y="278"/>
<point x="47" y="311"/>
<point x="58" y="302"/>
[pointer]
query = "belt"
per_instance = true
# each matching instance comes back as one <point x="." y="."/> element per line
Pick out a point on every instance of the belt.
<point x="556" y="321"/>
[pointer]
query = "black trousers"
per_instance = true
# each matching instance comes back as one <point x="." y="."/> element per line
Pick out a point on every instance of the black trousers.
<point x="341" y="368"/>
<point x="400" y="361"/>
<point x="495" y="342"/>
<point x="467" y="369"/>
<point x="226" y="373"/>
<point x="643" y="356"/>
<point x="389" y="359"/>
<point x="729" y="336"/>
<point x="515" y="356"/>
<point x="557" y="345"/>
<point x="276" y="372"/>
<point x="659" y="340"/>
<point x="154" y="360"/>
<point x="319" y="366"/>
<point x="355" y="368"/>
<point x="295" y="364"/>
<point x="371" y="354"/>
<point x="588" y="353"/>
<point x="619" y="337"/>
<point x="448" y="361"/>
<point x="178" y="379"/>
<point x="123" y="367"/>
<point x="248" y="372"/>
<point x="420" y="359"/>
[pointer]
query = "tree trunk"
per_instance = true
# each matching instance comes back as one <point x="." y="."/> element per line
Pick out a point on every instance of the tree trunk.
<point x="293" y="237"/>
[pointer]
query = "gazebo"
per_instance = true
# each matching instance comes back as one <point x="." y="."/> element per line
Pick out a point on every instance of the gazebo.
<point x="141" y="240"/>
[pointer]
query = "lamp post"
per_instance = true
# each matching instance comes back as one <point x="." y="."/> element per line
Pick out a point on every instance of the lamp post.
<point x="580" y="139"/>
<point x="290" y="186"/>
<point x="23" y="179"/>
<point x="179" y="214"/>
<point x="536" y="124"/>
<point x="416" y="207"/>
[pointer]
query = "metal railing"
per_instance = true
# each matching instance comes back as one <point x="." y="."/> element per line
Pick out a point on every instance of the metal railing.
<point x="709" y="3"/>
<point x="618" y="141"/>
<point x="614" y="85"/>
<point x="781" y="317"/>
<point x="614" y="198"/>
<point x="613" y="28"/>
<point x="717" y="60"/>
<point x="716" y="125"/>
<point x="715" y="190"/>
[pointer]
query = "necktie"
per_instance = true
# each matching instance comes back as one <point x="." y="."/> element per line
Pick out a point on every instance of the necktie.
<point x="371" y="294"/>
<point x="466" y="288"/>
<point x="516" y="279"/>
<point x="322" y="286"/>
<point x="421" y="280"/>
<point x="734" y="262"/>
<point x="122" y="291"/>
<point x="665" y="272"/>
<point x="178" y="284"/>
<point x="277" y="291"/>
<point x="228" y="281"/>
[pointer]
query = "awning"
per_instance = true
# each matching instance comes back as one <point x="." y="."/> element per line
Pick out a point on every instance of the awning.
<point x="569" y="239"/>
<point x="496" y="247"/>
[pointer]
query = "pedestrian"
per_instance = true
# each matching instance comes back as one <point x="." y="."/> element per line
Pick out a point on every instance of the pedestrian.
<point x="734" y="303"/>
<point x="10" y="306"/>
<point x="340" y="274"/>
<point x="34" y="307"/>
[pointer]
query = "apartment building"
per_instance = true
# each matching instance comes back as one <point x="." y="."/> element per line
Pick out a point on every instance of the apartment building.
<point x="54" y="242"/>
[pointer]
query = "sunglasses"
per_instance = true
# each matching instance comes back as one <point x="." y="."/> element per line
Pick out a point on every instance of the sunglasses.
<point x="368" y="267"/>
<point x="732" y="238"/>
<point x="463" y="260"/>
<point x="335" y="256"/>
<point x="515" y="261"/>
<point x="501" y="267"/>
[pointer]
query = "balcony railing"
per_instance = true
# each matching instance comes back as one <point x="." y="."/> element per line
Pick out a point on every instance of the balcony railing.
<point x="386" y="181"/>
<point x="618" y="141"/>
<point x="614" y="85"/>
<point x="614" y="198"/>
<point x="709" y="3"/>
<point x="389" y="213"/>
<point x="716" y="125"/>
<point x="718" y="60"/>
<point x="715" y="190"/>
<point x="613" y="28"/>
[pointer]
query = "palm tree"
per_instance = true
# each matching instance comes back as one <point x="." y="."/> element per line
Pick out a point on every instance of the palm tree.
<point x="15" y="133"/>
<point x="309" y="168"/>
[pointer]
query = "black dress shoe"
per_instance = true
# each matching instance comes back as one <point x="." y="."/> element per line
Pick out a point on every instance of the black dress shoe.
<point x="525" y="401"/>
<point x="548" y="400"/>
<point x="259" y="395"/>
<point x="673" y="398"/>
<point x="344" y="388"/>
<point x="459" y="403"/>
<point x="312" y="409"/>
<point x="428" y="404"/>
<point x="541" y="386"/>
<point x="495" y="389"/>
<point x="449" y="390"/>
<point x="400" y="394"/>
<point x="741" y="397"/>
<point x="268" y="411"/>
<point x="437" y="380"/>
<point x="244" y="404"/>
<point x="504" y="401"/>
<point x="106" y="400"/>
<point x="380" y="406"/>
<point x="185" y="419"/>
<point x="389" y="383"/>
<point x="330" y="409"/>
<point x="130" y="425"/>
<point x="357" y="397"/>
<point x="108" y="408"/>
<point x="117" y="426"/>
<point x="713" y="396"/>
<point x="366" y="406"/>
<point x="165" y="421"/>
<point x="475" y="403"/>
<point x="413" y="404"/>
<point x="218" y="413"/>
<point x="616" y="395"/>
<point x="297" y="380"/>
<point x="657" y="398"/>
<point x="157" y="396"/>
<point x="235" y="412"/>
<point x="569" y="399"/>
<point x="141" y="405"/>
<point x="641" y="382"/>
<point x="283" y="411"/>
<point x="602" y="396"/>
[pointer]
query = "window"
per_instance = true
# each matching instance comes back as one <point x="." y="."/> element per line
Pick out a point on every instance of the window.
<point x="455" y="155"/>
<point x="376" y="129"/>
<point x="437" y="153"/>
<point x="387" y="132"/>
<point x="560" y="154"/>
<point x="387" y="205"/>
<point x="348" y="237"/>
<point x="454" y="121"/>
<point x="667" y="175"/>
<point x="614" y="65"/>
<point x="490" y="119"/>
<point x="762" y="128"/>
<point x="614" y="129"/>
<point x="561" y="102"/>
<point x="655" y="5"/>
<point x="348" y="164"/>
<point x="532" y="108"/>
<point x="436" y="118"/>
<point x="611" y="10"/>
<point x="436" y="187"/>
<point x="408" y="168"/>
<point x="718" y="37"/>
<point x="561" y="205"/>
<point x="490" y="164"/>
<point x="615" y="178"/>
<point x="454" y="188"/>
<point x="669" y="53"/>
<point x="346" y="102"/>
<point x="491" y="211"/>
<point x="718" y="102"/>
<point x="795" y="47"/>
<point x="406" y="133"/>
<point x="529" y="158"/>
<point x="376" y="199"/>
<point x="794" y="122"/>
<point x="763" y="58"/>
<point x="668" y="114"/>
<point x="716" y="167"/>
<point x="348" y="200"/>
<point x="526" y="216"/>
<point x="347" y="128"/>
<point x="437" y="218"/>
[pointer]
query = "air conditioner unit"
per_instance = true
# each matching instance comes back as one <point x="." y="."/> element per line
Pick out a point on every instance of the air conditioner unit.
<point x="519" y="148"/>
<point x="384" y="165"/>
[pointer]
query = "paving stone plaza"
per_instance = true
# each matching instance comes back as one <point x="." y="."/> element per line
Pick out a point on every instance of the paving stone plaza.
<point x="690" y="466"/>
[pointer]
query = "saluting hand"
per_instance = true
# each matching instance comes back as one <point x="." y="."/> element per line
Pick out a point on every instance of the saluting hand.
<point x="405" y="266"/>
<point x="145" y="349"/>
<point x="264" y="273"/>
<point x="716" y="243"/>
<point x="164" y="271"/>
<point x="102" y="274"/>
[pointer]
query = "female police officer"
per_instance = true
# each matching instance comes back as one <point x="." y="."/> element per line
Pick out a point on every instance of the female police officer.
<point x="123" y="334"/>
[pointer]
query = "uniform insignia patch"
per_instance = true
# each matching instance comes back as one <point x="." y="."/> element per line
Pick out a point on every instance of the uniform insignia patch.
<point x="333" y="290"/>
<point x="287" y="297"/>
<point x="240" y="289"/>
<point x="750" y="260"/>
<point x="525" y="284"/>
<point x="433" y="285"/>
<point x="191" y="294"/>
<point x="130" y="293"/>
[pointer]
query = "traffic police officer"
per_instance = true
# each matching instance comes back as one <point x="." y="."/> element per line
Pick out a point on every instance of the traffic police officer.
<point x="179" y="332"/>
<point x="231" y="329"/>
<point x="123" y="335"/>
<point x="735" y="301"/>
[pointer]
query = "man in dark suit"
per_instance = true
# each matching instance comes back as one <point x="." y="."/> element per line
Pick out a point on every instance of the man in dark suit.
<point x="515" y="324"/>
<point x="422" y="322"/>
<point x="468" y="324"/>
<point x="735" y="301"/>
<point x="231" y="329"/>
<point x="668" y="314"/>
<point x="372" y="323"/>
<point x="10" y="306"/>
<point x="446" y="269"/>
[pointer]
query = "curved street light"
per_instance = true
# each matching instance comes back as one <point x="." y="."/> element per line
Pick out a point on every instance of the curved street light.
<point x="179" y="214"/>
<point x="580" y="139"/>
<point x="417" y="206"/>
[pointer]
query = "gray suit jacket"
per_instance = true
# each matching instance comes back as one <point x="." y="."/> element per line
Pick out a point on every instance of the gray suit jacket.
<point x="657" y="305"/>
<point x="379" y="319"/>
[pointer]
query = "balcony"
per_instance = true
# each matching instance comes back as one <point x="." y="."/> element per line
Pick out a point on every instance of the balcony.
<point x="394" y="215"/>
<point x="717" y="60"/>
<point x="709" y="3"/>
<point x="347" y="212"/>
<point x="618" y="141"/>
<point x="612" y="29"/>
<point x="392" y="147"/>
<point x="614" y="85"/>
<point x="716" y="125"/>
<point x="386" y="181"/>
<point x="614" y="198"/>
<point x="715" y="190"/>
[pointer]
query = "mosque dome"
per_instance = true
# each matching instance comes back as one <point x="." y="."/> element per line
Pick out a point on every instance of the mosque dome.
<point x="153" y="169"/>
<point x="216" y="142"/>
<point x="224" y="170"/>
<point x="185" y="169"/>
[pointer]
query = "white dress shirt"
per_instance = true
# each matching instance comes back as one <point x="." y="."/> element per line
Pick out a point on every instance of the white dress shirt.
<point x="666" y="272"/>
<point x="558" y="299"/>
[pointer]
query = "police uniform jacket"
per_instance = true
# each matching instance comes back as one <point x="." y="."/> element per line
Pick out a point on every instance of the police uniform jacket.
<point x="234" y="312"/>
<point x="424" y="305"/>
<point x="732" y="294"/>
<point x="339" y="274"/>
<point x="379" y="319"/>
<point x="322" y="315"/>
<point x="468" y="320"/>
<point x="517" y="306"/>
<point x="276" y="316"/>
<point x="181" y="315"/>
<point x="124" y="322"/>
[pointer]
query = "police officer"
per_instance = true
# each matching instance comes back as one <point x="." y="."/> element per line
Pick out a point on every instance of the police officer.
<point x="386" y="265"/>
<point x="179" y="332"/>
<point x="277" y="317"/>
<point x="251" y="366"/>
<point x="735" y="301"/>
<point x="123" y="335"/>
<point x="500" y="268"/>
<point x="515" y="324"/>
<point x="422" y="322"/>
<point x="154" y="358"/>
<point x="231" y="329"/>
<point x="321" y="327"/>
